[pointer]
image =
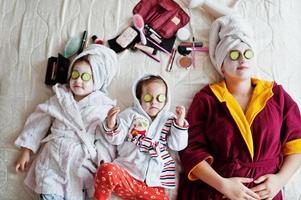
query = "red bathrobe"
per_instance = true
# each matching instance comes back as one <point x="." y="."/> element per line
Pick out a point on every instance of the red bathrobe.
<point x="238" y="144"/>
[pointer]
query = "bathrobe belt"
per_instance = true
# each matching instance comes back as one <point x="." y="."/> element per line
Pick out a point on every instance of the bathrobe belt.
<point x="76" y="135"/>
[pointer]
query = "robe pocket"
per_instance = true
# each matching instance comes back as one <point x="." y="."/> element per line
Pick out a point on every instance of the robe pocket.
<point x="129" y="150"/>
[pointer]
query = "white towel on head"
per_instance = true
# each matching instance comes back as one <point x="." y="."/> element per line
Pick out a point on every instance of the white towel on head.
<point x="226" y="32"/>
<point x="103" y="61"/>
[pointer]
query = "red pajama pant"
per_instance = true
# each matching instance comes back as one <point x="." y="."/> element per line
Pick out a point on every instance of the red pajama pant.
<point x="113" y="178"/>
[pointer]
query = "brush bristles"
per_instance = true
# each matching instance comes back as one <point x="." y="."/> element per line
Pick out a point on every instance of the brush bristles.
<point x="138" y="21"/>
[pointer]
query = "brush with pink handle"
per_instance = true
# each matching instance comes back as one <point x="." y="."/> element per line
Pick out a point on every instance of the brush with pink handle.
<point x="139" y="25"/>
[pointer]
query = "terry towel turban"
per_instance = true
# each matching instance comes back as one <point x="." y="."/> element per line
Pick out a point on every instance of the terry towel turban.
<point x="226" y="32"/>
<point x="104" y="65"/>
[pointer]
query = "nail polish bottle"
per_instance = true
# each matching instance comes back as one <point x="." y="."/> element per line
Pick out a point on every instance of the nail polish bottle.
<point x="96" y="40"/>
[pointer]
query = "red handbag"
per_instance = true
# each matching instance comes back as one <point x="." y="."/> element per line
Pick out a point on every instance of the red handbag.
<point x="166" y="17"/>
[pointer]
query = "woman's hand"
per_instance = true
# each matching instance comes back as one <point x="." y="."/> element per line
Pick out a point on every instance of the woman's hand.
<point x="234" y="189"/>
<point x="269" y="186"/>
<point x="180" y="113"/>
<point x="112" y="116"/>
<point x="23" y="161"/>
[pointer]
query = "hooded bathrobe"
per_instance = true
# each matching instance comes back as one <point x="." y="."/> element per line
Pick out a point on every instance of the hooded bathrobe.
<point x="66" y="130"/>
<point x="143" y="143"/>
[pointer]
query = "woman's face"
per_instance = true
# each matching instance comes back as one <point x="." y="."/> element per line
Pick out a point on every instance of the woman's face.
<point x="239" y="62"/>
<point x="81" y="80"/>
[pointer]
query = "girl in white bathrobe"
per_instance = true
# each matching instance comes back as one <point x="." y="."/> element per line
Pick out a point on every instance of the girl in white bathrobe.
<point x="144" y="134"/>
<point x="65" y="127"/>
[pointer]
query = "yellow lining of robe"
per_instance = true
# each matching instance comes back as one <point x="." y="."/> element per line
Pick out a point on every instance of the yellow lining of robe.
<point x="261" y="94"/>
<point x="292" y="147"/>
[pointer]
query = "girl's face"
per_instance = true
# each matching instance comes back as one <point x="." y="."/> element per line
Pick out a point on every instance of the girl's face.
<point x="153" y="98"/>
<point x="81" y="80"/>
<point x="239" y="62"/>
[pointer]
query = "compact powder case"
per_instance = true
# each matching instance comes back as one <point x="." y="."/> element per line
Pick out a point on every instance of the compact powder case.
<point x="184" y="61"/>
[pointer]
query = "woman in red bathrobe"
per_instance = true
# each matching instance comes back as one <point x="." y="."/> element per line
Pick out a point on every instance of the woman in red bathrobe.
<point x="245" y="133"/>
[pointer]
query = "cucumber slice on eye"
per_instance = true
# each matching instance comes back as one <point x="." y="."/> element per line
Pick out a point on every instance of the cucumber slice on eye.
<point x="249" y="54"/>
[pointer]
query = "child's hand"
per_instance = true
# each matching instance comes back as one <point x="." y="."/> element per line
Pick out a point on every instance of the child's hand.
<point x="23" y="160"/>
<point x="111" y="117"/>
<point x="180" y="112"/>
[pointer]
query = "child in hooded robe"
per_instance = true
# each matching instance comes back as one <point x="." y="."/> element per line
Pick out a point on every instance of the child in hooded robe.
<point x="144" y="133"/>
<point x="71" y="151"/>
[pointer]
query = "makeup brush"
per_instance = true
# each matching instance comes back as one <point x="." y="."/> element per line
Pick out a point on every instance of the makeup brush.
<point x="139" y="25"/>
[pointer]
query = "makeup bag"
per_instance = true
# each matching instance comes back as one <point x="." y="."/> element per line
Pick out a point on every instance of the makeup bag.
<point x="164" y="16"/>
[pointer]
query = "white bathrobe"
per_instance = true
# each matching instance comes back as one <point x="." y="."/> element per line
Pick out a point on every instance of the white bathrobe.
<point x="143" y="164"/>
<point x="70" y="151"/>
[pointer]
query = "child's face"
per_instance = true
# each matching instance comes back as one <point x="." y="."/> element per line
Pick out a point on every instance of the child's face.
<point x="153" y="98"/>
<point x="81" y="80"/>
